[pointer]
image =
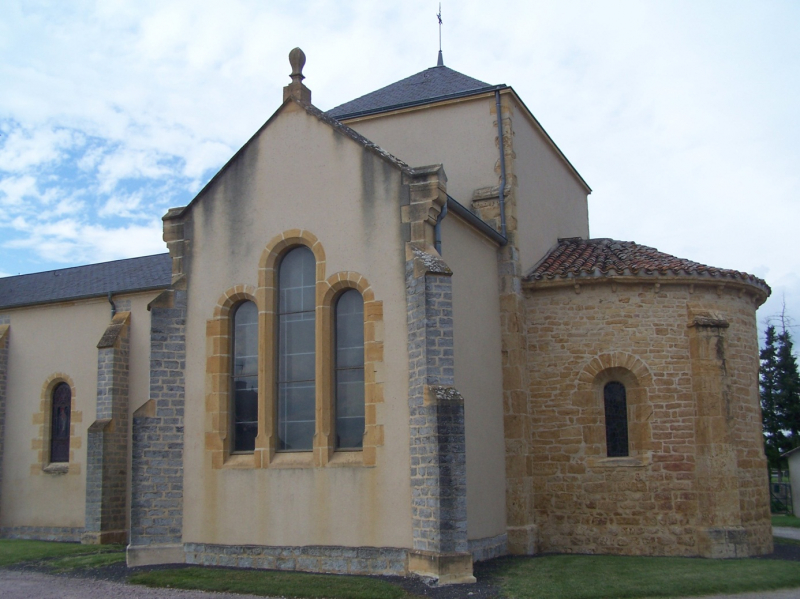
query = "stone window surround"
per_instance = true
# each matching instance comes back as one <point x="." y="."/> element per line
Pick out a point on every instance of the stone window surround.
<point x="42" y="418"/>
<point x="218" y="366"/>
<point x="635" y="376"/>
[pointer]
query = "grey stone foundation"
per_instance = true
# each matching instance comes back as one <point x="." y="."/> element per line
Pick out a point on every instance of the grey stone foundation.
<point x="42" y="533"/>
<point x="488" y="547"/>
<point x="157" y="445"/>
<point x="330" y="559"/>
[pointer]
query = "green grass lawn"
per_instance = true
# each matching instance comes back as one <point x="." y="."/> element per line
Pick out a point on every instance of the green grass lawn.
<point x="601" y="577"/>
<point x="13" y="551"/>
<point x="792" y="521"/>
<point x="264" y="583"/>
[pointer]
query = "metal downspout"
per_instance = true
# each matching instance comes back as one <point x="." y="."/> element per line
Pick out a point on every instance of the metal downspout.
<point x="437" y="229"/>
<point x="502" y="191"/>
<point x="113" y="306"/>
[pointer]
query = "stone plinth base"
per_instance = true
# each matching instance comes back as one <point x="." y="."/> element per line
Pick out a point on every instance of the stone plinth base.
<point x="446" y="568"/>
<point x="151" y="555"/>
<point x="523" y="540"/>
<point x="106" y="537"/>
<point x="723" y="542"/>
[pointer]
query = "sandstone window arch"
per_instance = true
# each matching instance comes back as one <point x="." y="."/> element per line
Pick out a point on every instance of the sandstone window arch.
<point x="633" y="375"/>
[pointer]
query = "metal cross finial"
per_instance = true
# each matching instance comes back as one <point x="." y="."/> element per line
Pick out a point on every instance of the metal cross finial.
<point x="440" y="62"/>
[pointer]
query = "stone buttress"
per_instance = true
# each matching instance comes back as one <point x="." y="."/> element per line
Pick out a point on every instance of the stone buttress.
<point x="437" y="434"/>
<point x="157" y="450"/>
<point x="107" y="448"/>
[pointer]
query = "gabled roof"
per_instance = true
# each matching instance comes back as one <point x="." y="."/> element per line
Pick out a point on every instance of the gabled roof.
<point x="119" y="276"/>
<point x="592" y="258"/>
<point x="430" y="85"/>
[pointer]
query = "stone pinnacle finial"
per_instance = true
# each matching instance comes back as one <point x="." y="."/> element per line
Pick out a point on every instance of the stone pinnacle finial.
<point x="297" y="58"/>
<point x="296" y="89"/>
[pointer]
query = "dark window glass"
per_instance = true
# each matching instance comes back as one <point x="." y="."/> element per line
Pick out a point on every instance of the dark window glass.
<point x="296" y="350"/>
<point x="349" y="370"/>
<point x="59" y="423"/>
<point x="616" y="419"/>
<point x="244" y="375"/>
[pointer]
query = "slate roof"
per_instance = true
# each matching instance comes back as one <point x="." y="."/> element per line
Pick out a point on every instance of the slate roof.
<point x="436" y="83"/>
<point x="585" y="258"/>
<point x="118" y="276"/>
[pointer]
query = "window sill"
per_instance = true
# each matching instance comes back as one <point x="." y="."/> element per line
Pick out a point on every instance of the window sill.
<point x="240" y="461"/>
<point x="302" y="459"/>
<point x="344" y="459"/>
<point x="56" y="468"/>
<point x="639" y="461"/>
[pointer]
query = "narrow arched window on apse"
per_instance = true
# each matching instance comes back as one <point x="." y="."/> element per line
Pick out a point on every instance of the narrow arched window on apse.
<point x="59" y="423"/>
<point x="244" y="377"/>
<point x="296" y="350"/>
<point x="349" y="383"/>
<point x="616" y="407"/>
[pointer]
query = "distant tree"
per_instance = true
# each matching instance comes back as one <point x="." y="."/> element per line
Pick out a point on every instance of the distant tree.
<point x="769" y="380"/>
<point x="779" y="379"/>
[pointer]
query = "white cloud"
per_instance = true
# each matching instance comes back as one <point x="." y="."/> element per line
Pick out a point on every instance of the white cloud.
<point x="24" y="149"/>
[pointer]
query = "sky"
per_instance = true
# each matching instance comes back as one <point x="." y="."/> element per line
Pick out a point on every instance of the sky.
<point x="681" y="115"/>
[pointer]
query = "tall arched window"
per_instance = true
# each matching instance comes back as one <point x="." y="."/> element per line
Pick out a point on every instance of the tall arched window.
<point x="244" y="377"/>
<point x="616" y="407"/>
<point x="349" y="369"/>
<point x="296" y="350"/>
<point x="59" y="423"/>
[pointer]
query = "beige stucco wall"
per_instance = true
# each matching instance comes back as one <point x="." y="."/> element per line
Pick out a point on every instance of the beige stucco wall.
<point x="551" y="200"/>
<point x="478" y="372"/>
<point x="694" y="420"/>
<point x="794" y="477"/>
<point x="45" y="340"/>
<point x="460" y="135"/>
<point x="299" y="174"/>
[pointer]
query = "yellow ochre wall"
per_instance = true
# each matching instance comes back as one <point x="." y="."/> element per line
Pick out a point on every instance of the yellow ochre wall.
<point x="478" y="372"/>
<point x="298" y="173"/>
<point x="58" y="341"/>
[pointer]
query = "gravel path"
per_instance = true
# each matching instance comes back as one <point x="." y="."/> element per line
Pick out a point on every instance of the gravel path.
<point x="16" y="584"/>
<point x="786" y="532"/>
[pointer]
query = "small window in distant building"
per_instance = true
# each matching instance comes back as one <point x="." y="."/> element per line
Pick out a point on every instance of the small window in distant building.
<point x="349" y="370"/>
<point x="59" y="423"/>
<point x="244" y="375"/>
<point x="616" y="419"/>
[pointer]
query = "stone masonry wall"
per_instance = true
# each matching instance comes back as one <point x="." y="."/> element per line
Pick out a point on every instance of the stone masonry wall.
<point x="157" y="452"/>
<point x="107" y="448"/>
<point x="336" y="560"/>
<point x="4" y="332"/>
<point x="652" y="502"/>
<point x="438" y="451"/>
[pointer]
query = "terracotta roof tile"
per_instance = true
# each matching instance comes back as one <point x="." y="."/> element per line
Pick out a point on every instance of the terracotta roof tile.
<point x="576" y="257"/>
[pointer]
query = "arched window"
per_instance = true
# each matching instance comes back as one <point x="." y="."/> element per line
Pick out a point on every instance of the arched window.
<point x="296" y="350"/>
<point x="244" y="377"/>
<point x="616" y="407"/>
<point x="349" y="370"/>
<point x="59" y="423"/>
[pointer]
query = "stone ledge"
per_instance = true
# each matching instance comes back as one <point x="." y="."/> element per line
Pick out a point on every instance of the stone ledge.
<point x="151" y="555"/>
<point x="445" y="568"/>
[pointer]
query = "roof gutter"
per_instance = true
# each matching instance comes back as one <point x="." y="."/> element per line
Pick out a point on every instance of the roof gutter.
<point x="466" y="214"/>
<point x="501" y="193"/>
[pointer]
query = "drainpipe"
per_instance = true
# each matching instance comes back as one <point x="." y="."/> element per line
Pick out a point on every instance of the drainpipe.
<point x="437" y="229"/>
<point x="502" y="192"/>
<point x="113" y="307"/>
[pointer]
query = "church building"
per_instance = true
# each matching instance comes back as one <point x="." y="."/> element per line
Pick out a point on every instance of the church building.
<point x="382" y="341"/>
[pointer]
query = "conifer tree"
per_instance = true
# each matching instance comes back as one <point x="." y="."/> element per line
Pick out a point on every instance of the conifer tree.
<point x="789" y="390"/>
<point x="770" y="382"/>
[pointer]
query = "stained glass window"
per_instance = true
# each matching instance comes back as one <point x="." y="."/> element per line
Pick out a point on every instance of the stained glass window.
<point x="59" y="423"/>
<point x="244" y="377"/>
<point x="296" y="350"/>
<point x="349" y="370"/>
<point x="616" y="419"/>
